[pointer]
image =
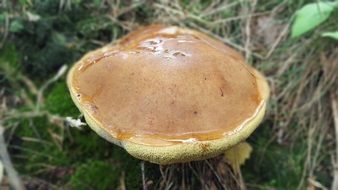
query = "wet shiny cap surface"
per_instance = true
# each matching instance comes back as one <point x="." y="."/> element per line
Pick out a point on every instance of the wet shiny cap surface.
<point x="167" y="85"/>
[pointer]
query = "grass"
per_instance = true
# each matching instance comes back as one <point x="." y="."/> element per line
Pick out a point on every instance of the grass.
<point x="293" y="147"/>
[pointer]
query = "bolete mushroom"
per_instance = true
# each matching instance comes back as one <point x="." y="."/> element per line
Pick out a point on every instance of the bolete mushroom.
<point x="169" y="94"/>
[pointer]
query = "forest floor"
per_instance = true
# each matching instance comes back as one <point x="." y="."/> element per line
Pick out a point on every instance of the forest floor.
<point x="294" y="147"/>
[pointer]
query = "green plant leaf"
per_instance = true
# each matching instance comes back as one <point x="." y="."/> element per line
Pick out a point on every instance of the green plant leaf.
<point x="16" y="26"/>
<point x="97" y="2"/>
<point x="310" y="16"/>
<point x="59" y="38"/>
<point x="2" y="17"/>
<point x="333" y="35"/>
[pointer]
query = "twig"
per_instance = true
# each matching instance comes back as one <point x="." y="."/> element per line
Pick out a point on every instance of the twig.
<point x="13" y="177"/>
<point x="122" y="182"/>
<point x="143" y="177"/>
<point x="334" y="105"/>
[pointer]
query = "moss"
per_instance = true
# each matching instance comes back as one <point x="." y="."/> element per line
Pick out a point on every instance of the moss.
<point x="35" y="128"/>
<point x="91" y="27"/>
<point x="84" y="144"/>
<point x="35" y="144"/>
<point x="97" y="163"/>
<point x="9" y="64"/>
<point x="131" y="167"/>
<point x="10" y="55"/>
<point x="274" y="165"/>
<point x="59" y="102"/>
<point x="95" y="175"/>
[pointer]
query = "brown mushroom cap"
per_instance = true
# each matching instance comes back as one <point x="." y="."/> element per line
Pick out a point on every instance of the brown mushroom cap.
<point x="168" y="94"/>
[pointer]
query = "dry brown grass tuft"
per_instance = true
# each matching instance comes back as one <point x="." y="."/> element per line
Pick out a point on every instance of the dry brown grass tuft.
<point x="211" y="174"/>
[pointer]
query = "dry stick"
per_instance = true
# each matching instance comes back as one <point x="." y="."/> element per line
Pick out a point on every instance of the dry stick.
<point x="335" y="119"/>
<point x="14" y="179"/>
<point x="241" y="180"/>
<point x="143" y="177"/>
<point x="122" y="182"/>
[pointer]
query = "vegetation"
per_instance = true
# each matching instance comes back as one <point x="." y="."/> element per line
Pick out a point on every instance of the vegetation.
<point x="293" y="148"/>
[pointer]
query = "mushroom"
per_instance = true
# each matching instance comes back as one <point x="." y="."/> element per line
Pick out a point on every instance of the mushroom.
<point x="169" y="95"/>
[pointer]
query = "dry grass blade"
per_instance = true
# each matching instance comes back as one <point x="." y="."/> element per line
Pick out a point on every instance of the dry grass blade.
<point x="13" y="176"/>
<point x="215" y="8"/>
<point x="214" y="173"/>
<point x="282" y="34"/>
<point x="334" y="104"/>
<point x="1" y="171"/>
<point x="5" y="29"/>
<point x="144" y="184"/>
<point x="248" y="31"/>
<point x="122" y="181"/>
